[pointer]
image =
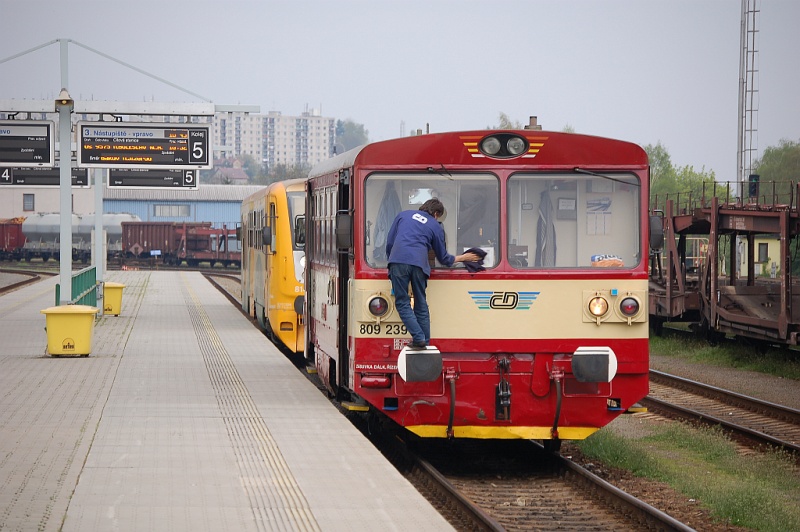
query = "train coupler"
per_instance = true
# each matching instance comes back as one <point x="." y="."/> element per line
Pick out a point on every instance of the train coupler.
<point x="450" y="376"/>
<point x="503" y="392"/>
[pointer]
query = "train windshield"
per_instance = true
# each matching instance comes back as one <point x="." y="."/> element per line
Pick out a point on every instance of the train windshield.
<point x="296" y="203"/>
<point x="573" y="221"/>
<point x="472" y="210"/>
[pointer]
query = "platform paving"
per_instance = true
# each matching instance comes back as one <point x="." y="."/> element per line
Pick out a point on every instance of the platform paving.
<point x="183" y="417"/>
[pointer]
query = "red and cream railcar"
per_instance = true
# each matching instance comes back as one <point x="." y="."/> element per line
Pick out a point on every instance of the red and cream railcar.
<point x="549" y="342"/>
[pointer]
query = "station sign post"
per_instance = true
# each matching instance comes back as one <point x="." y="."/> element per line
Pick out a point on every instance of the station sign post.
<point x="28" y="143"/>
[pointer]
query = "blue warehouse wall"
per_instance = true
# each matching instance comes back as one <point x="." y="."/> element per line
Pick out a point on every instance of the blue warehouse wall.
<point x="218" y="204"/>
<point x="218" y="213"/>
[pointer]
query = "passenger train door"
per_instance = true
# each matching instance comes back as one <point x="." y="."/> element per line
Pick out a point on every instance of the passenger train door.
<point x="343" y="230"/>
<point x="327" y="272"/>
<point x="270" y="256"/>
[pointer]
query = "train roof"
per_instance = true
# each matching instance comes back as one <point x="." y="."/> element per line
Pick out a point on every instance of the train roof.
<point x="552" y="148"/>
<point x="343" y="160"/>
<point x="261" y="191"/>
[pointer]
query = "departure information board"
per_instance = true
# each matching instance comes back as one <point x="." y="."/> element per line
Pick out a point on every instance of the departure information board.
<point x="45" y="177"/>
<point x="148" y="178"/>
<point x="27" y="143"/>
<point x="144" y="145"/>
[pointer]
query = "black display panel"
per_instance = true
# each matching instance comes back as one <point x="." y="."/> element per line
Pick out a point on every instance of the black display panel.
<point x="149" y="178"/>
<point x="27" y="143"/>
<point x="144" y="145"/>
<point x="42" y="177"/>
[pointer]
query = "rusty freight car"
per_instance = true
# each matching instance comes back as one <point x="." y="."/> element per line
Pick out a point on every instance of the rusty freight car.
<point x="742" y="284"/>
<point x="12" y="239"/>
<point x="176" y="242"/>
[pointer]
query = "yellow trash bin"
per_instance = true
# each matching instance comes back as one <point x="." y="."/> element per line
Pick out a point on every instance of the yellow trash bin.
<point x="112" y="298"/>
<point x="69" y="329"/>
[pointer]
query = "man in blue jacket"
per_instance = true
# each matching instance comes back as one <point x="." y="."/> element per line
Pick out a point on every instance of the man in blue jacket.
<point x="411" y="236"/>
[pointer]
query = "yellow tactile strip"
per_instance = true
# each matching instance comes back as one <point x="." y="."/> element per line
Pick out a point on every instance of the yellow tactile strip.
<point x="276" y="498"/>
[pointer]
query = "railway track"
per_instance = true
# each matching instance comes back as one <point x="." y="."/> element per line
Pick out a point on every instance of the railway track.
<point x="749" y="419"/>
<point x="227" y="283"/>
<point x="26" y="278"/>
<point x="516" y="485"/>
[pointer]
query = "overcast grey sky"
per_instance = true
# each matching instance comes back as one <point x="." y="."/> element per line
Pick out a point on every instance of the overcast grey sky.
<point x="640" y="70"/>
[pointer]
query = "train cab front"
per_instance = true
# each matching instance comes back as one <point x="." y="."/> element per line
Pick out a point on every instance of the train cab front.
<point x="557" y="388"/>
<point x="545" y="396"/>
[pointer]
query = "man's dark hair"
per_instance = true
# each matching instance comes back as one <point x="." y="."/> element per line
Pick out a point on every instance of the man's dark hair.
<point x="433" y="206"/>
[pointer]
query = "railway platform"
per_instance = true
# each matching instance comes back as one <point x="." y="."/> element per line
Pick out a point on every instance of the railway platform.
<point x="183" y="417"/>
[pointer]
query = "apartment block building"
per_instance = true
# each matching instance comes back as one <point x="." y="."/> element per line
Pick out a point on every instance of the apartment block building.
<point x="275" y="139"/>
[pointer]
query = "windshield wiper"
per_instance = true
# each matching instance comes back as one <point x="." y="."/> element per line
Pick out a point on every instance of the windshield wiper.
<point x="443" y="171"/>
<point x="589" y="172"/>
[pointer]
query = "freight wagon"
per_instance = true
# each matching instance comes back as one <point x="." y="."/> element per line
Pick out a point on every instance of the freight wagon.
<point x="39" y="236"/>
<point x="175" y="242"/>
<point x="11" y="238"/>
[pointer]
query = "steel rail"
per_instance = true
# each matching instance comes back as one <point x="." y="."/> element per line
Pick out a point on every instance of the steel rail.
<point x="32" y="278"/>
<point x="763" y="408"/>
<point x="646" y="513"/>
<point x="746" y="402"/>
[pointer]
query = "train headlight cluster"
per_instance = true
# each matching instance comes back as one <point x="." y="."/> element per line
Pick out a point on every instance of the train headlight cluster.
<point x="614" y="306"/>
<point x="629" y="306"/>
<point x="598" y="306"/>
<point x="490" y="146"/>
<point x="503" y="146"/>
<point x="378" y="306"/>
<point x="516" y="146"/>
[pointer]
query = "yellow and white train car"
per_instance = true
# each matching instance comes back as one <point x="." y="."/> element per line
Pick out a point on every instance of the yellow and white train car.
<point x="273" y="261"/>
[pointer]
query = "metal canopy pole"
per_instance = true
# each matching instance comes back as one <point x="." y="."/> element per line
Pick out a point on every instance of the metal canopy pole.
<point x="65" y="104"/>
<point x="99" y="249"/>
<point x="65" y="187"/>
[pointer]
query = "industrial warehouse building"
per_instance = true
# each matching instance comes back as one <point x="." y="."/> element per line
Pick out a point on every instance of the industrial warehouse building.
<point x="218" y="204"/>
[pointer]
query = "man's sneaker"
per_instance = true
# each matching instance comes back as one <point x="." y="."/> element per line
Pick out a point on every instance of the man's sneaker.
<point x="417" y="346"/>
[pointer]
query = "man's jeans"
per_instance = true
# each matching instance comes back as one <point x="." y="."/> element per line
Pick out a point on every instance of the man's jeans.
<point x="416" y="320"/>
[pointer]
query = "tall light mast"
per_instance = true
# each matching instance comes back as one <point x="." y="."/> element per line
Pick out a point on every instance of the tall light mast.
<point x="748" y="93"/>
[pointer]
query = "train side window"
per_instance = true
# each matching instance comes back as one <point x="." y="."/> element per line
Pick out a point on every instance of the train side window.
<point x="250" y="228"/>
<point x="300" y="231"/>
<point x="28" y="203"/>
<point x="269" y="229"/>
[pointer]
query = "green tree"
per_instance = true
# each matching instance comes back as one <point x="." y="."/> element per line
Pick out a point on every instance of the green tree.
<point x="282" y="172"/>
<point x="350" y="135"/>
<point x="684" y="185"/>
<point x="778" y="170"/>
<point x="504" y="122"/>
<point x="780" y="163"/>
<point x="251" y="166"/>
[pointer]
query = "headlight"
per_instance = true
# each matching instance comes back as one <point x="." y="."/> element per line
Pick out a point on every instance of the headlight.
<point x="378" y="306"/>
<point x="503" y="145"/>
<point x="516" y="146"/>
<point x="598" y="306"/>
<point x="299" y="304"/>
<point x="629" y="306"/>
<point x="490" y="146"/>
